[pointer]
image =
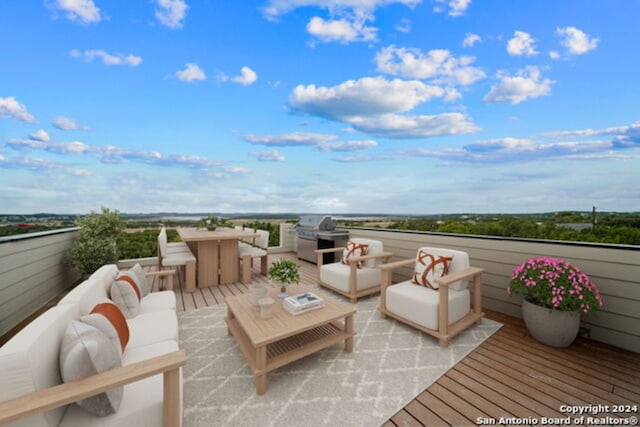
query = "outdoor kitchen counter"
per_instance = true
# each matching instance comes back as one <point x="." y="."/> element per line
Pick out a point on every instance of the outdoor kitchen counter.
<point x="217" y="253"/>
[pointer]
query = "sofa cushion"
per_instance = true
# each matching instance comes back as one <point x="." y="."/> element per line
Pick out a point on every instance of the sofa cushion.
<point x="459" y="262"/>
<point x="85" y="351"/>
<point x="158" y="301"/>
<point x="419" y="304"/>
<point x="353" y="250"/>
<point x="429" y="267"/>
<point x="151" y="328"/>
<point x="125" y="292"/>
<point x="29" y="360"/>
<point x="108" y="318"/>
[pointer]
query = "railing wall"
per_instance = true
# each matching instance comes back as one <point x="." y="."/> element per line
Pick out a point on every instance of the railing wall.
<point x="614" y="268"/>
<point x="32" y="272"/>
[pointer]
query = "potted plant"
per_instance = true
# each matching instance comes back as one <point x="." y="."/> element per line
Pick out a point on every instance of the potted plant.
<point x="284" y="272"/>
<point x="555" y="295"/>
<point x="96" y="243"/>
<point x="213" y="222"/>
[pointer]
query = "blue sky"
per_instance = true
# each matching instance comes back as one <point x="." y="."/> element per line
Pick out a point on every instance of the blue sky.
<point x="338" y="106"/>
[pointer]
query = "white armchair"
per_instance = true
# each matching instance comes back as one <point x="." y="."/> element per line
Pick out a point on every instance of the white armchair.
<point x="357" y="276"/>
<point x="440" y="307"/>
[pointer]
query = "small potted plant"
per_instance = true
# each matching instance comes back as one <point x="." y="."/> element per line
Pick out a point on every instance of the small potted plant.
<point x="555" y="295"/>
<point x="284" y="272"/>
<point x="213" y="222"/>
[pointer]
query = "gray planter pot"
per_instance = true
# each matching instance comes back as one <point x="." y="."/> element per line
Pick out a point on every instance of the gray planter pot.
<point x="551" y="327"/>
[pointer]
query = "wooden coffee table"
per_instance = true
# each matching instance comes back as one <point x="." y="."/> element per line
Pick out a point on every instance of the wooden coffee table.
<point x="268" y="344"/>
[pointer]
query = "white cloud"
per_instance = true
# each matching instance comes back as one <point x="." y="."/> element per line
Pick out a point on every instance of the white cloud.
<point x="40" y="135"/>
<point x="554" y="54"/>
<point x="320" y="141"/>
<point x="293" y="139"/>
<point x="521" y="44"/>
<point x="66" y="123"/>
<point x="404" y="26"/>
<point x="171" y="13"/>
<point x="247" y="77"/>
<point x="471" y="39"/>
<point x="414" y="126"/>
<point x="526" y="84"/>
<point x="82" y="11"/>
<point x="348" y="20"/>
<point x="268" y="156"/>
<point x="437" y="63"/>
<point x="75" y="147"/>
<point x="107" y="58"/>
<point x="275" y="8"/>
<point x="367" y="96"/>
<point x="576" y="41"/>
<point x="191" y="72"/>
<point x="348" y="146"/>
<point x="454" y="7"/>
<point x="11" y="108"/>
<point x="341" y="30"/>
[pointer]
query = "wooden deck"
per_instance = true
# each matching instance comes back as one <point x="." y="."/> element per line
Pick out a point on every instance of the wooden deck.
<point x="510" y="375"/>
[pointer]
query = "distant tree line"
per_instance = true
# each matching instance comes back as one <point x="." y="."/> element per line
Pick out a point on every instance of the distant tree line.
<point x="608" y="229"/>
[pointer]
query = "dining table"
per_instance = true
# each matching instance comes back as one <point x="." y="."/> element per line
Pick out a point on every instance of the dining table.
<point x="216" y="252"/>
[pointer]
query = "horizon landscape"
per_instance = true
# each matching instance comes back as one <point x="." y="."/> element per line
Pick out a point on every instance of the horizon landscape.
<point x="405" y="107"/>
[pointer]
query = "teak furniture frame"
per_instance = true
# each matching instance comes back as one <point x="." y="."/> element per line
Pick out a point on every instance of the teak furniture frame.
<point x="353" y="294"/>
<point x="44" y="400"/>
<point x="445" y="332"/>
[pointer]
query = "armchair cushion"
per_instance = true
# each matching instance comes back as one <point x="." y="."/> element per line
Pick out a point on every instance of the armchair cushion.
<point x="337" y="274"/>
<point x="419" y="304"/>
<point x="428" y="267"/>
<point x="85" y="351"/>
<point x="354" y="250"/>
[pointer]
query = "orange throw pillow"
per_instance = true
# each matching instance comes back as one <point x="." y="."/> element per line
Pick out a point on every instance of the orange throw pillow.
<point x="117" y="320"/>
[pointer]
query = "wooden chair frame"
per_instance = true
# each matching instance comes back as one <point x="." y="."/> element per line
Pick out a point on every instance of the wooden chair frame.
<point x="445" y="331"/>
<point x="353" y="294"/>
<point x="44" y="400"/>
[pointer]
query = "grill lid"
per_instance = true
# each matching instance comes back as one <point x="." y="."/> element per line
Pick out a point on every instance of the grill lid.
<point x="316" y="223"/>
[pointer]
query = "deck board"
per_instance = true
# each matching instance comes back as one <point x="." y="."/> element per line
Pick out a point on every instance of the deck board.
<point x="509" y="375"/>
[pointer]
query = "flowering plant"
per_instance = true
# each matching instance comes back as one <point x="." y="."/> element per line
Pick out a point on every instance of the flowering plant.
<point x="554" y="283"/>
<point x="284" y="272"/>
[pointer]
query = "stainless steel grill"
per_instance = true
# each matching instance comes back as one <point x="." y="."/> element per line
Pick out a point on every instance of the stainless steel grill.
<point x="318" y="232"/>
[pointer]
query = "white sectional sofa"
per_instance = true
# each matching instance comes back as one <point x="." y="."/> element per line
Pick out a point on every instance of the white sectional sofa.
<point x="33" y="392"/>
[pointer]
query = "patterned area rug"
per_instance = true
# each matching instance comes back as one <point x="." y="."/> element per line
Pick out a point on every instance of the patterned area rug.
<point x="391" y="364"/>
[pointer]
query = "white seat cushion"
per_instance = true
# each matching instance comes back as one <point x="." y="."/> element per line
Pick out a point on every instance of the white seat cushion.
<point x="151" y="328"/>
<point x="251" y="251"/>
<point x="178" y="259"/>
<point x="419" y="304"/>
<point x="158" y="301"/>
<point x="337" y="275"/>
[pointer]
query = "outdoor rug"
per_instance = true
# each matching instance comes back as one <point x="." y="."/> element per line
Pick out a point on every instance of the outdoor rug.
<point x="390" y="365"/>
